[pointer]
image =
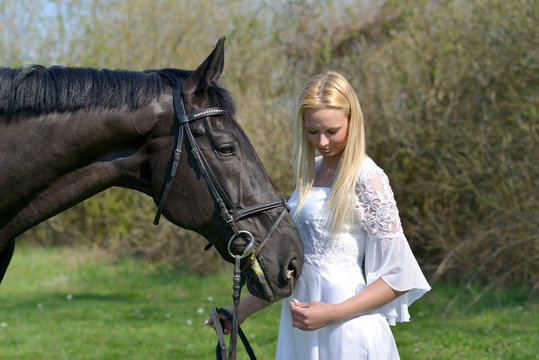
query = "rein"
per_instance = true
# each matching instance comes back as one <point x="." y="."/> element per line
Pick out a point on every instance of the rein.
<point x="228" y="211"/>
<point x="220" y="350"/>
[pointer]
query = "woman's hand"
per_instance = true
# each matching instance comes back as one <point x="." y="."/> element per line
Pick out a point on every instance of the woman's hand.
<point x="314" y="315"/>
<point x="227" y="325"/>
<point x="311" y="315"/>
<point x="248" y="306"/>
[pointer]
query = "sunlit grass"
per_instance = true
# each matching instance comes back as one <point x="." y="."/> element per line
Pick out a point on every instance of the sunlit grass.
<point x="503" y="324"/>
<point x="71" y="304"/>
<point x="62" y="303"/>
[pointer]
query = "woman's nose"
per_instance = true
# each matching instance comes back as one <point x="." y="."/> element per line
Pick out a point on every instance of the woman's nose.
<point x="323" y="140"/>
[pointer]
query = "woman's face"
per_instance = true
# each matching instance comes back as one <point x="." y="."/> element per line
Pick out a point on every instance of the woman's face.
<point x="327" y="130"/>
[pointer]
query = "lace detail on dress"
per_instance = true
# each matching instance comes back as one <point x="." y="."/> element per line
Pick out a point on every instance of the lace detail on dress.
<point x="344" y="253"/>
<point x="344" y="250"/>
<point x="375" y="203"/>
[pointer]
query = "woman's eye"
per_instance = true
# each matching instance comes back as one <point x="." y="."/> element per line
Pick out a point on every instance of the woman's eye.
<point x="226" y="150"/>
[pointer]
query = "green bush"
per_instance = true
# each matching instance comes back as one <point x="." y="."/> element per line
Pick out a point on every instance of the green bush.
<point x="451" y="98"/>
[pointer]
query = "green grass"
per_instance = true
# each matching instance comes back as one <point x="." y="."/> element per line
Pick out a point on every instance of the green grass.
<point x="503" y="324"/>
<point x="63" y="303"/>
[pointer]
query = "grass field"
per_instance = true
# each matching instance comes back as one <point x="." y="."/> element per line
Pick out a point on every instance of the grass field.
<point x="64" y="303"/>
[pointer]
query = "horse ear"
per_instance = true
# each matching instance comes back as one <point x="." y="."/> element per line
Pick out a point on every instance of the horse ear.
<point x="209" y="71"/>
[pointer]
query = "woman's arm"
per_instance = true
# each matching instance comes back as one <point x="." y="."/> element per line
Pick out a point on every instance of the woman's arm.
<point x="314" y="315"/>
<point x="248" y="306"/>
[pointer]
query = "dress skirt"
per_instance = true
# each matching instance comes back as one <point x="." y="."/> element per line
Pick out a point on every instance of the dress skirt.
<point x="364" y="337"/>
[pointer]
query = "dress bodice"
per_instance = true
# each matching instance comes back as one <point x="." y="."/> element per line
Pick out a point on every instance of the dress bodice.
<point x="344" y="250"/>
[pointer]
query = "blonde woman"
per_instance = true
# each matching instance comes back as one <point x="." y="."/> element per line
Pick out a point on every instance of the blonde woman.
<point x="359" y="274"/>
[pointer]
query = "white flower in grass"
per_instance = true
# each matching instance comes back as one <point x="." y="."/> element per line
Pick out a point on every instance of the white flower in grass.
<point x="167" y="315"/>
<point x="189" y="322"/>
<point x="69" y="297"/>
<point x="3" y="324"/>
<point x="209" y="299"/>
<point x="40" y="306"/>
<point x="200" y="310"/>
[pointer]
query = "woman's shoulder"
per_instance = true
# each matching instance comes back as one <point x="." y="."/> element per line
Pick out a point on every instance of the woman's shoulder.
<point x="371" y="176"/>
<point x="368" y="162"/>
<point x="368" y="167"/>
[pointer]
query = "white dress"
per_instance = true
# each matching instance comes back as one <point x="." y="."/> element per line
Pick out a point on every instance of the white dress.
<point x="333" y="272"/>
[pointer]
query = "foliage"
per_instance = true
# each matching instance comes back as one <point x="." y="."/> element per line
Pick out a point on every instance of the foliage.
<point x="449" y="87"/>
<point x="453" y="120"/>
<point x="68" y="303"/>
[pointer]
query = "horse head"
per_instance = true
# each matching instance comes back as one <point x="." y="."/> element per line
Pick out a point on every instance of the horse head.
<point x="206" y="176"/>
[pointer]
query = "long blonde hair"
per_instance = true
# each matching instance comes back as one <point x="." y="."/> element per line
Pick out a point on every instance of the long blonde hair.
<point x="331" y="90"/>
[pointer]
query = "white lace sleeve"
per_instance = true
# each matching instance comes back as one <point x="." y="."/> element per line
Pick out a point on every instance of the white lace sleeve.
<point x="387" y="254"/>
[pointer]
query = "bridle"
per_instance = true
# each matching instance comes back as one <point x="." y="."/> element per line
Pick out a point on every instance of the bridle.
<point x="230" y="213"/>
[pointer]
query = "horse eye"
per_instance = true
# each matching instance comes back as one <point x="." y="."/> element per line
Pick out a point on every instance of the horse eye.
<point x="226" y="150"/>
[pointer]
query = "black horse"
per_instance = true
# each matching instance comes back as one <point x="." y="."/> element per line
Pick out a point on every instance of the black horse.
<point x="68" y="133"/>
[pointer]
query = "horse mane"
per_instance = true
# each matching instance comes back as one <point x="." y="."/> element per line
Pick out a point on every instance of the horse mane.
<point x="36" y="89"/>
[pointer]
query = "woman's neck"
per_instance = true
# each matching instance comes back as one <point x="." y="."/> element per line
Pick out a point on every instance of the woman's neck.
<point x="330" y="164"/>
<point x="325" y="173"/>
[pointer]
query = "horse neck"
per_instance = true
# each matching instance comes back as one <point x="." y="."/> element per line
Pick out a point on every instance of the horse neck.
<point x="75" y="139"/>
<point x="52" y="162"/>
